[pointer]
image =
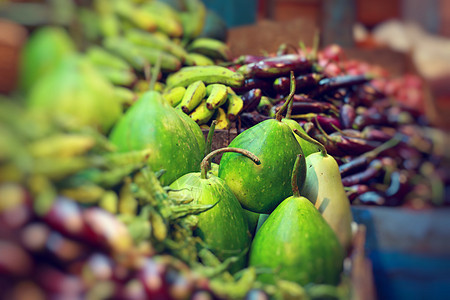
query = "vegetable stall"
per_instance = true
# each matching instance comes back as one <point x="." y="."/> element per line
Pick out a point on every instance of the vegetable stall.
<point x="141" y="157"/>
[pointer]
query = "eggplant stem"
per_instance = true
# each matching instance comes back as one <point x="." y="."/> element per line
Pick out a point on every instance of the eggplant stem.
<point x="308" y="116"/>
<point x="302" y="47"/>
<point x="289" y="99"/>
<point x="205" y="162"/>
<point x="295" y="189"/>
<point x="210" y="137"/>
<point x="281" y="49"/>
<point x="336" y="128"/>
<point x="292" y="46"/>
<point x="385" y="146"/>
<point x="316" y="43"/>
<point x="309" y="139"/>
<point x="289" y="109"/>
<point x="321" y="130"/>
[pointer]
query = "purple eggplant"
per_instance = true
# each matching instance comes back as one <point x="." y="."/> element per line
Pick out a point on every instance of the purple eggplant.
<point x="399" y="185"/>
<point x="249" y="119"/>
<point x="330" y="145"/>
<point x="14" y="260"/>
<point x="381" y="134"/>
<point x="150" y="273"/>
<point x="351" y="98"/>
<point x="369" y="118"/>
<point x="347" y="115"/>
<point x="371" y="197"/>
<point x="251" y="99"/>
<point x="329" y="85"/>
<point x="356" y="190"/>
<point x="265" y="85"/>
<point x="304" y="83"/>
<point x="329" y="123"/>
<point x="355" y="165"/>
<point x="355" y="146"/>
<point x="59" y="284"/>
<point x="368" y="95"/>
<point x="307" y="107"/>
<point x="372" y="171"/>
<point x="360" y="162"/>
<point x="248" y="59"/>
<point x="277" y="66"/>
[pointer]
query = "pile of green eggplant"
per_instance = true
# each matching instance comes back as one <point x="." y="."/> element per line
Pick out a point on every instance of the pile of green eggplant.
<point x="141" y="212"/>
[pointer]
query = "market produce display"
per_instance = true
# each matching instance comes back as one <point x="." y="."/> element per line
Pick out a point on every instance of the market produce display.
<point x="107" y="185"/>
<point x="223" y="228"/>
<point x="307" y="248"/>
<point x="261" y="188"/>
<point x="323" y="185"/>
<point x="152" y="124"/>
<point x="374" y="125"/>
<point x="82" y="219"/>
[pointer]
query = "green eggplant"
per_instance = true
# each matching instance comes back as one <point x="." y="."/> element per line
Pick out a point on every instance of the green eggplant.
<point x="176" y="142"/>
<point x="261" y="188"/>
<point x="223" y="228"/>
<point x="214" y="169"/>
<point x="75" y="94"/>
<point x="307" y="147"/>
<point x="323" y="186"/>
<point x="43" y="51"/>
<point x="252" y="220"/>
<point x="193" y="129"/>
<point x="261" y="219"/>
<point x="295" y="243"/>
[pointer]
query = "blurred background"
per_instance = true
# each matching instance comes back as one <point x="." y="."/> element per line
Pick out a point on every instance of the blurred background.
<point x="401" y="35"/>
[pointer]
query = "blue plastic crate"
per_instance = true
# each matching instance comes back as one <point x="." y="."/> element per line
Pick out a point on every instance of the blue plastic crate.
<point x="234" y="12"/>
<point x="409" y="251"/>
